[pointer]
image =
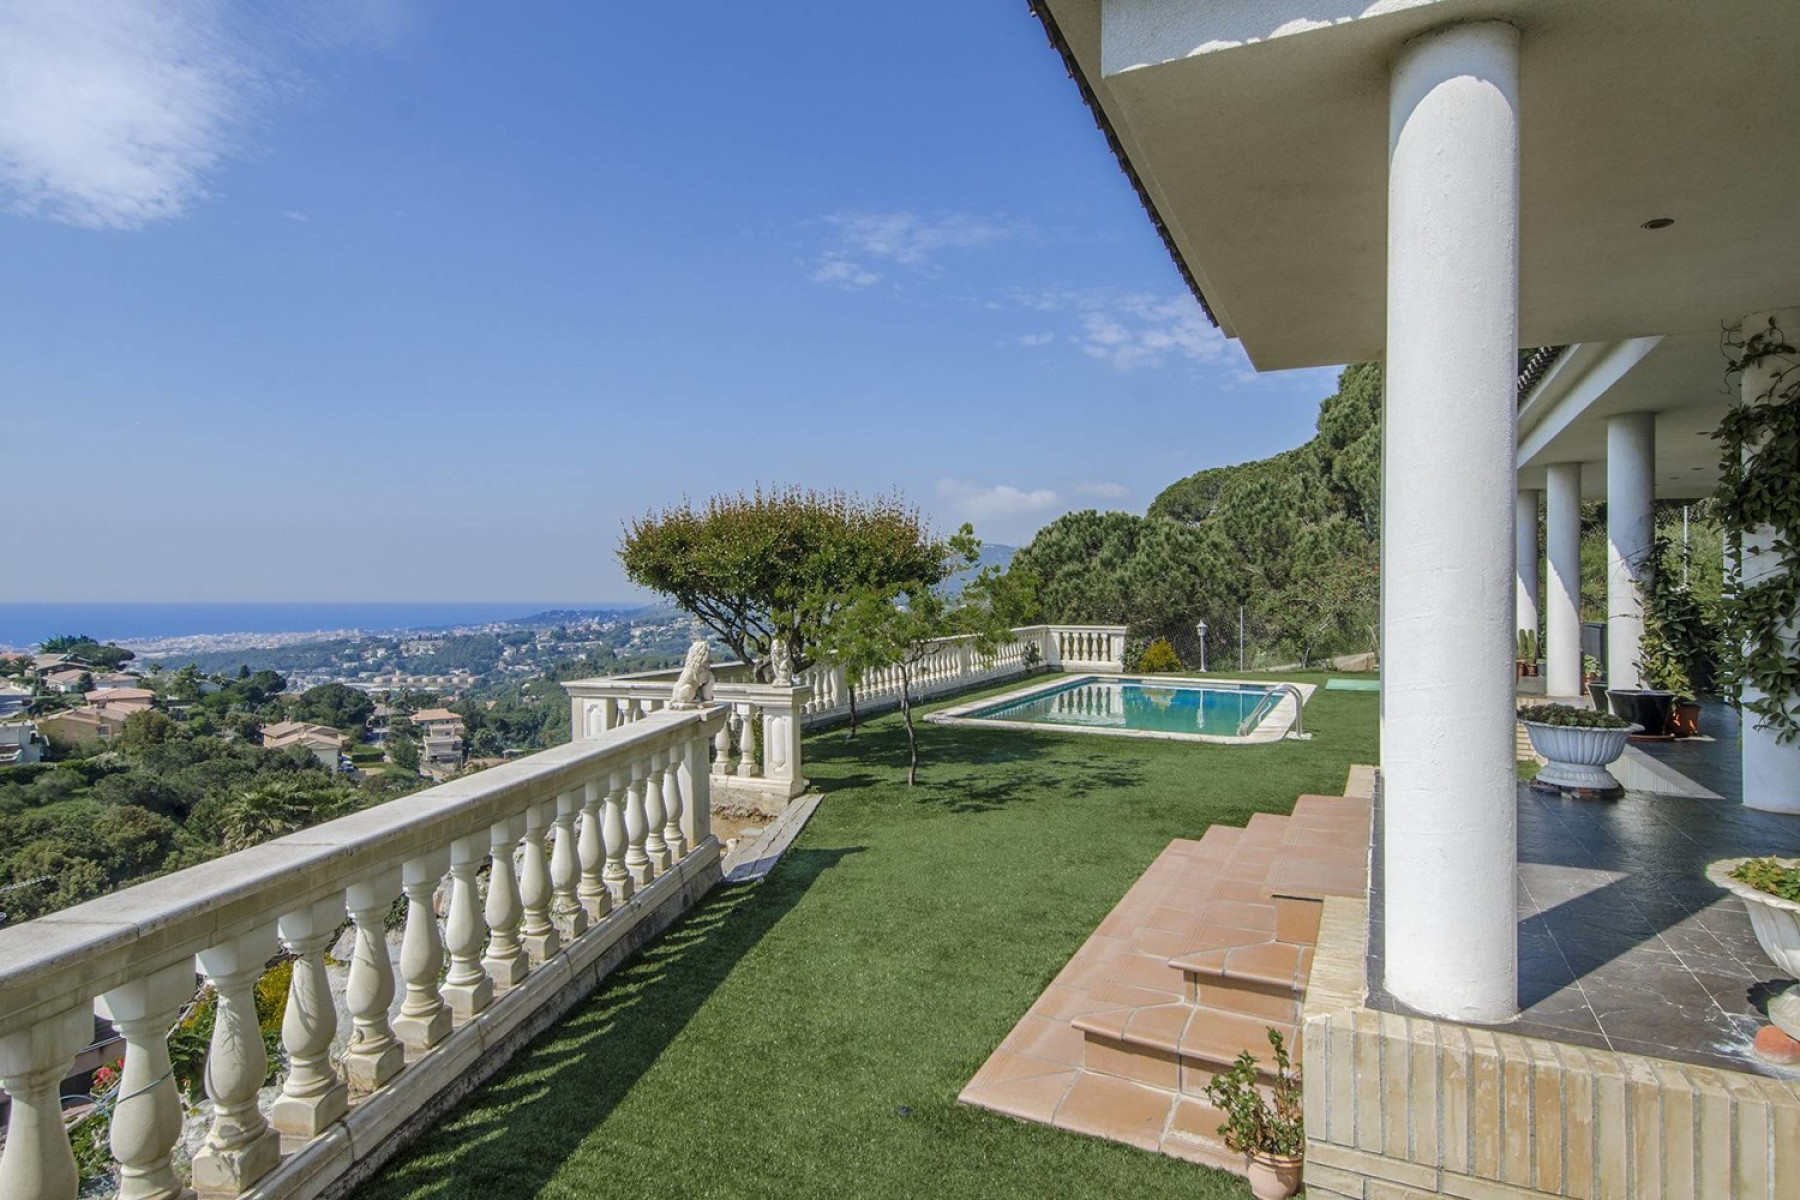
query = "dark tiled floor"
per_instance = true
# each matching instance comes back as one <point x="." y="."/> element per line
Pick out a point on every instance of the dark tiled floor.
<point x="1714" y="759"/>
<point x="1623" y="944"/>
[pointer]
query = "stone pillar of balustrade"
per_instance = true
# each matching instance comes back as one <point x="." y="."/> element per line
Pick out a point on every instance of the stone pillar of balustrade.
<point x="537" y="932"/>
<point x="375" y="1054"/>
<point x="654" y="845"/>
<point x="240" y="1146"/>
<point x="781" y="738"/>
<point x="637" y="825"/>
<point x="591" y="893"/>
<point x="312" y="1094"/>
<point x="505" y="960"/>
<point x="747" y="767"/>
<point x="674" y="835"/>
<point x="424" y="1020"/>
<point x="696" y="790"/>
<point x="565" y="867"/>
<point x="615" y="874"/>
<point x="467" y="988"/>
<point x="37" y="1160"/>
<point x="721" y="744"/>
<point x="146" y="1117"/>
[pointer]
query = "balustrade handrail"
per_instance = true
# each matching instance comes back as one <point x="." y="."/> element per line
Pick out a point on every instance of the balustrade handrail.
<point x="77" y="953"/>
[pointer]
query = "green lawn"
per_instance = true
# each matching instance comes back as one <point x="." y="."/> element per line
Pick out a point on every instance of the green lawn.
<point x="807" y="1036"/>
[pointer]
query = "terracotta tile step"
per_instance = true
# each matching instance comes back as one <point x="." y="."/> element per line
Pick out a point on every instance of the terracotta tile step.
<point x="1193" y="1134"/>
<point x="1208" y="1038"/>
<point x="1265" y="964"/>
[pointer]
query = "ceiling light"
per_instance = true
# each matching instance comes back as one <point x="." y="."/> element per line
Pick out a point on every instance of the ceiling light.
<point x="1658" y="223"/>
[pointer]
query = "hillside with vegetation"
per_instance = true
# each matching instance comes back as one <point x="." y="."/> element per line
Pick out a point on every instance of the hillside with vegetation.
<point x="1290" y="541"/>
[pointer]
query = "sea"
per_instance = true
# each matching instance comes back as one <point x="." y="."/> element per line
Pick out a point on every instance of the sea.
<point x="25" y="625"/>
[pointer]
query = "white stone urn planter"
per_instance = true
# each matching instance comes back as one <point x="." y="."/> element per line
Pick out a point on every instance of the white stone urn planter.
<point x="1777" y="925"/>
<point x="1579" y="756"/>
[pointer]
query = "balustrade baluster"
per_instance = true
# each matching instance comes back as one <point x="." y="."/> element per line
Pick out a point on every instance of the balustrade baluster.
<point x="37" y="1163"/>
<point x="565" y="869"/>
<point x="312" y="1094"/>
<point x="637" y="859"/>
<point x="696" y="793"/>
<point x="538" y="931"/>
<point x="505" y="960"/>
<point x="721" y="763"/>
<point x="748" y="767"/>
<point x="240" y="1147"/>
<point x="467" y="988"/>
<point x="654" y="845"/>
<point x="671" y="797"/>
<point x="146" y="1117"/>
<point x="375" y="1054"/>
<point x="595" y="900"/>
<point x="612" y="828"/>
<point x="424" y="1018"/>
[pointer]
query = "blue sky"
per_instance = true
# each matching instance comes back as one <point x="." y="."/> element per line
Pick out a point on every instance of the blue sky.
<point x="395" y="301"/>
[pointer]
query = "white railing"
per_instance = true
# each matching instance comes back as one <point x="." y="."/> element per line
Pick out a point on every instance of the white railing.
<point x="587" y="850"/>
<point x="767" y="761"/>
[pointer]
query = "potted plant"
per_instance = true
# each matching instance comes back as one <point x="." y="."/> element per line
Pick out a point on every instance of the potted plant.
<point x="1686" y="720"/>
<point x="1580" y="743"/>
<point x="1593" y="681"/>
<point x="1528" y="653"/>
<point x="1263" y="1125"/>
<point x="1770" y="890"/>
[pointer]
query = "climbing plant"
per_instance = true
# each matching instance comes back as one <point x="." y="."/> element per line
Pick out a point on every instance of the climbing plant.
<point x="1759" y="493"/>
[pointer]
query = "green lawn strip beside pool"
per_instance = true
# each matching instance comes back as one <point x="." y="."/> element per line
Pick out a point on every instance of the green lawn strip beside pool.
<point x="807" y="1036"/>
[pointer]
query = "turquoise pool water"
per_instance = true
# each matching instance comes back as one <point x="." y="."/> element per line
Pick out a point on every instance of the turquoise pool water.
<point x="1216" y="709"/>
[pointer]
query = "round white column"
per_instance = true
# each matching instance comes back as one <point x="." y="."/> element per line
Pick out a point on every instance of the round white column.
<point x="1525" y="554"/>
<point x="1448" y="484"/>
<point x="1562" y="591"/>
<point x="1771" y="769"/>
<point x="1630" y="527"/>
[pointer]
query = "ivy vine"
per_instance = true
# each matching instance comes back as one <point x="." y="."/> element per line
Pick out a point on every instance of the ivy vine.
<point x="1759" y="493"/>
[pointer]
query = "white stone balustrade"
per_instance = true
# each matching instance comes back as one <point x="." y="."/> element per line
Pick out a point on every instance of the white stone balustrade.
<point x="757" y="751"/>
<point x="133" y="957"/>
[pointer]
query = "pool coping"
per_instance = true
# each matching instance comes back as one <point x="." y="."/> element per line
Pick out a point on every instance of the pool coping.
<point x="1274" y="726"/>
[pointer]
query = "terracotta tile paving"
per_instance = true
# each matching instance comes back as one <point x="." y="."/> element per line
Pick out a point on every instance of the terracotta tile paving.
<point x="1182" y="974"/>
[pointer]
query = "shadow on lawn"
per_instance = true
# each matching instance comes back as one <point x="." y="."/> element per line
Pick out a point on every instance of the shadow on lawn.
<point x="968" y="770"/>
<point x="514" y="1134"/>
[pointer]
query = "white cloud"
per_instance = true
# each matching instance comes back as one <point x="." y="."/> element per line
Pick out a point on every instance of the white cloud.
<point x="993" y="502"/>
<point x="1134" y="329"/>
<point x="1037" y="339"/>
<point x="841" y="272"/>
<point x="291" y="215"/>
<point x="1101" y="489"/>
<point x="900" y="238"/>
<point x="115" y="113"/>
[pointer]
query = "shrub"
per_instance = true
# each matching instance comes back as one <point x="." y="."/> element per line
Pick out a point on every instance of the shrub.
<point x="1569" y="717"/>
<point x="1159" y="657"/>
<point x="1770" y="875"/>
<point x="1257" y="1122"/>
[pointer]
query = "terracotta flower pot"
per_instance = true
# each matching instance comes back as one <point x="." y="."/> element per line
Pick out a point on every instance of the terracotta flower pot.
<point x="1686" y="721"/>
<point x="1274" y="1176"/>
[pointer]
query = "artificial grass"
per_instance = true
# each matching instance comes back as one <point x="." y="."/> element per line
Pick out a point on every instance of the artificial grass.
<point x="807" y="1036"/>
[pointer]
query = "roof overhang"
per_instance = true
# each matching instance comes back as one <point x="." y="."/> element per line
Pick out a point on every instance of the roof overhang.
<point x="1257" y="132"/>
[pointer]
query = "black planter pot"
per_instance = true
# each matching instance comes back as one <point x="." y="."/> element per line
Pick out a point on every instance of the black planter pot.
<point x="1596" y="691"/>
<point x="1643" y="707"/>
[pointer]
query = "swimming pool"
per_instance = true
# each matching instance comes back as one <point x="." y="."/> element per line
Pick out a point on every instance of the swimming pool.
<point x="1200" y="710"/>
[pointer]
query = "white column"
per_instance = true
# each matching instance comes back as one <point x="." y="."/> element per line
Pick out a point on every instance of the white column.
<point x="146" y="1121"/>
<point x="1525" y="556"/>
<point x="1562" y="590"/>
<point x="1630" y="526"/>
<point x="537" y="931"/>
<point x="312" y="1096"/>
<point x="467" y="988"/>
<point x="374" y="1055"/>
<point x="505" y="960"/>
<point x="37" y="1162"/>
<point x="1448" y="488"/>
<point x="240" y="1147"/>
<point x="566" y="908"/>
<point x="1771" y="769"/>
<point x="595" y="899"/>
<point x="424" y="1018"/>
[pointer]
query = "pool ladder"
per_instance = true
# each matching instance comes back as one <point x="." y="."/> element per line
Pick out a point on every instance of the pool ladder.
<point x="1299" y="730"/>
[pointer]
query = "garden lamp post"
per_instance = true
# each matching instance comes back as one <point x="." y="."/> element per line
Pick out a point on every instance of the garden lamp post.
<point x="1201" y="630"/>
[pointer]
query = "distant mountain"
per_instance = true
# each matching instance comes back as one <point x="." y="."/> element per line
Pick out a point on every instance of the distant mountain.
<point x="993" y="554"/>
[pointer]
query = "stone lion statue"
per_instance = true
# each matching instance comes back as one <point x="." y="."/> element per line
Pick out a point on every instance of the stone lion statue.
<point x="695" y="687"/>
